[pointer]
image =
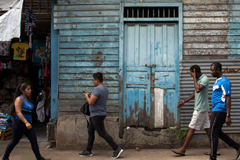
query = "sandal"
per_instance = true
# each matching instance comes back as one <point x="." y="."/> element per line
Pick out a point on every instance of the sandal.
<point x="177" y="152"/>
<point x="208" y="153"/>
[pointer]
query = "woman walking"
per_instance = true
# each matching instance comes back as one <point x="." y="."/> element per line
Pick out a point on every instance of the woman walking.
<point x="22" y="123"/>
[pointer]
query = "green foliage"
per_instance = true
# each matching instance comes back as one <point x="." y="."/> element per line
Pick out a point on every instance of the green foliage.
<point x="179" y="133"/>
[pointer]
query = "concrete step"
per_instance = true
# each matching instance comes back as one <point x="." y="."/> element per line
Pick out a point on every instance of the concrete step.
<point x="24" y="143"/>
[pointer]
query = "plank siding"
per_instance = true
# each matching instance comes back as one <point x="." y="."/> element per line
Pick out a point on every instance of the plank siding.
<point x="211" y="29"/>
<point x="88" y="43"/>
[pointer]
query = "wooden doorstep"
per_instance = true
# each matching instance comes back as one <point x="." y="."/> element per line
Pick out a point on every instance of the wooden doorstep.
<point x="7" y="135"/>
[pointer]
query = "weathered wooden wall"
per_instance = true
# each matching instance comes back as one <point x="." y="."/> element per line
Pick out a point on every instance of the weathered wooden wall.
<point x="89" y="42"/>
<point x="211" y="29"/>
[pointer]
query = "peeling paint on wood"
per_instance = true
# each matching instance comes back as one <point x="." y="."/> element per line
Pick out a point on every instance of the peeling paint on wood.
<point x="80" y="96"/>
<point x="92" y="32"/>
<point x="205" y="14"/>
<point x="205" y="20"/>
<point x="88" y="38"/>
<point x="86" y="25"/>
<point x="205" y="32"/>
<point x="206" y="51"/>
<point x="81" y="14"/>
<point x="85" y="7"/>
<point x="205" y="26"/>
<point x="194" y="7"/>
<point x="90" y="51"/>
<point x="206" y="45"/>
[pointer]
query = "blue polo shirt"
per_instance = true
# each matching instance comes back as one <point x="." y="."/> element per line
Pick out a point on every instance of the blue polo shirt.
<point x="221" y="87"/>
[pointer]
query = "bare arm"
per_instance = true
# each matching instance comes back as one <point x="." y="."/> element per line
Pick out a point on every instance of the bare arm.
<point x="186" y="100"/>
<point x="198" y="87"/>
<point x="91" y="100"/>
<point x="190" y="97"/>
<point x="18" y="107"/>
<point x="228" y="105"/>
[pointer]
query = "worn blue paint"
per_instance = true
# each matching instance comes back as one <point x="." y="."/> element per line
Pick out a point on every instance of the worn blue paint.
<point x="135" y="56"/>
<point x="233" y="32"/>
<point x="148" y="38"/>
<point x="84" y="26"/>
<point x="90" y="51"/>
<point x="150" y="19"/>
<point x="54" y="68"/>
<point x="200" y="137"/>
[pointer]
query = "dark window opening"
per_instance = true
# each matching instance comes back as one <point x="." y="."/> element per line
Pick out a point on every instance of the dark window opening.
<point x="151" y="12"/>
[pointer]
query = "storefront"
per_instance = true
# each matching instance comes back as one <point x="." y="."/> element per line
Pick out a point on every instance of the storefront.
<point x="27" y="59"/>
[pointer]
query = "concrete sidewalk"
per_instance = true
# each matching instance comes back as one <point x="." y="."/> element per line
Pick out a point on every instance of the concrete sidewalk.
<point x="23" y="152"/>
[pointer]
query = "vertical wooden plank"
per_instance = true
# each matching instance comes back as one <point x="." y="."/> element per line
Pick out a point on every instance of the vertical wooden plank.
<point x="130" y="106"/>
<point x="136" y="106"/>
<point x="158" y="45"/>
<point x="180" y="31"/>
<point x="55" y="68"/>
<point x="171" y="45"/>
<point x="141" y="108"/>
<point x="130" y="44"/>
<point x="159" y="108"/>
<point x="122" y="71"/>
<point x="142" y="45"/>
<point x="152" y="43"/>
<point x="136" y="45"/>
<point x="165" y="43"/>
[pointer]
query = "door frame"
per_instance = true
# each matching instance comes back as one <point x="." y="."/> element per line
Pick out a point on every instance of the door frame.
<point x="121" y="45"/>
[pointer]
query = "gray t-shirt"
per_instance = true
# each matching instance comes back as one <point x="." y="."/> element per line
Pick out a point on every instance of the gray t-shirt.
<point x="99" y="107"/>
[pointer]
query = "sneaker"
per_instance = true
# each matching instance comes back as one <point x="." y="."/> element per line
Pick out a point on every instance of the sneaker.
<point x="117" y="153"/>
<point x="85" y="153"/>
<point x="238" y="154"/>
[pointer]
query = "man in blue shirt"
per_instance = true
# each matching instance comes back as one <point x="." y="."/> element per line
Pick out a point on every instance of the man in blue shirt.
<point x="221" y="102"/>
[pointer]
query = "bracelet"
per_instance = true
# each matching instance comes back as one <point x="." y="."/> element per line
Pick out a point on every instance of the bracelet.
<point x="183" y="102"/>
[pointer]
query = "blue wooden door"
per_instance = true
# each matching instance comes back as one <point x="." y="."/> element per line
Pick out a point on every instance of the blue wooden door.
<point x="150" y="75"/>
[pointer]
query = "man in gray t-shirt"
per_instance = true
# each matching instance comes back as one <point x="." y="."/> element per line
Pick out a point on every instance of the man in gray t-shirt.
<point x="99" y="107"/>
<point x="97" y="101"/>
